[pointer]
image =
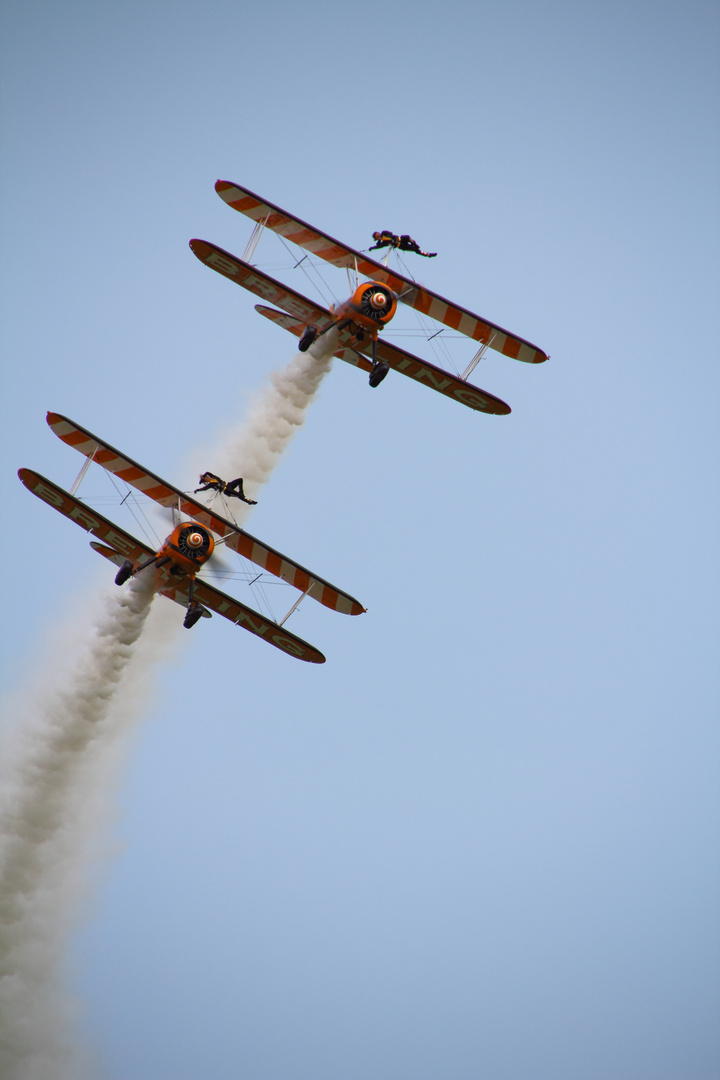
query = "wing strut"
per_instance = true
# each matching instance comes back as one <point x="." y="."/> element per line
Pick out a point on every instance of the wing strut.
<point x="81" y="475"/>
<point x="297" y="603"/>
<point x="254" y="239"/>
<point x="352" y="276"/>
<point x="476" y="358"/>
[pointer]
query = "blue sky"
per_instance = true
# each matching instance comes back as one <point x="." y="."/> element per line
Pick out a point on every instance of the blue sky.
<point x="482" y="839"/>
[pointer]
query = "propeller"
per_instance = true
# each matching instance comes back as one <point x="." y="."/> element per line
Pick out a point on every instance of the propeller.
<point x="194" y="541"/>
<point x="375" y="302"/>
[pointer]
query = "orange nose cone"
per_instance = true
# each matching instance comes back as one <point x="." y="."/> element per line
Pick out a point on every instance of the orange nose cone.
<point x="378" y="300"/>
<point x="194" y="540"/>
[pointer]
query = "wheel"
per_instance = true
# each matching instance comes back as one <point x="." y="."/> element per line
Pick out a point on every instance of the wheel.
<point x="124" y="572"/>
<point x="193" y="613"/>
<point x="378" y="373"/>
<point x="307" y="338"/>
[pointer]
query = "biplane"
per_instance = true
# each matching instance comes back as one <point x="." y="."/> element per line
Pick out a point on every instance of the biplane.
<point x="197" y="533"/>
<point x="353" y="327"/>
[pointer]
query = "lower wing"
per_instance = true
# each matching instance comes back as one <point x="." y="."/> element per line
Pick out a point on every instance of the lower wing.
<point x="122" y="543"/>
<point x="404" y="362"/>
<point x="234" y="611"/>
<point x="304" y="312"/>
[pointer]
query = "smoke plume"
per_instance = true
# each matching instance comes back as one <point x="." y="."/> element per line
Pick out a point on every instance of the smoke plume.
<point x="279" y="411"/>
<point x="47" y="807"/>
<point x="66" y="744"/>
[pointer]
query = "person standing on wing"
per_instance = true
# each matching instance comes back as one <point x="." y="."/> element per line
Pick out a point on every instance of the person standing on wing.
<point x="231" y="488"/>
<point x="403" y="243"/>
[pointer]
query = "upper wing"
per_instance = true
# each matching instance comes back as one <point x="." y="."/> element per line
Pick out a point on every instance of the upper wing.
<point x="406" y="364"/>
<point x="237" y="539"/>
<point x="410" y="292"/>
<point x="121" y="541"/>
<point x="232" y="609"/>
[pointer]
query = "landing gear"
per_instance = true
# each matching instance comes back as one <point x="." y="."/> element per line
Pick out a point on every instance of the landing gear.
<point x="193" y="614"/>
<point x="378" y="373"/>
<point x="124" y="572"/>
<point x="379" y="367"/>
<point x="194" y="611"/>
<point x="307" y="338"/>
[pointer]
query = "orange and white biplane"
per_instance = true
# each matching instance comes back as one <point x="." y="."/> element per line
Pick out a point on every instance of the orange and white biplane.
<point x="197" y="532"/>
<point x="357" y="322"/>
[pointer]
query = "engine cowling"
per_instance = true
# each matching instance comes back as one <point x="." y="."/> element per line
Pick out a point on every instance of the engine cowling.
<point x="375" y="302"/>
<point x="190" y="544"/>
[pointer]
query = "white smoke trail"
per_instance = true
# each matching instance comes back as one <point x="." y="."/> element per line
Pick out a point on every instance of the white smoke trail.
<point x="66" y="744"/>
<point x="278" y="413"/>
<point x="47" y="815"/>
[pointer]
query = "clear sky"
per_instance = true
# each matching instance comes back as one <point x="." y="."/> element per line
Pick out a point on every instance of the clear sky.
<point x="482" y="839"/>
